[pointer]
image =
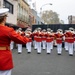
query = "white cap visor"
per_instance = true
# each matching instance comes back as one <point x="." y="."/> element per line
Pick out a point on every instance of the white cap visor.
<point x="3" y="11"/>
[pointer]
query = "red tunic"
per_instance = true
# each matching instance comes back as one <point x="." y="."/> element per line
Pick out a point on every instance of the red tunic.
<point x="70" y="37"/>
<point x="74" y="36"/>
<point x="48" y="38"/>
<point x="6" y="35"/>
<point x="43" y="36"/>
<point x="30" y="37"/>
<point x="35" y="36"/>
<point x="58" y="38"/>
<point x="38" y="38"/>
<point x="66" y="37"/>
<point x="52" y="36"/>
<point x="22" y="34"/>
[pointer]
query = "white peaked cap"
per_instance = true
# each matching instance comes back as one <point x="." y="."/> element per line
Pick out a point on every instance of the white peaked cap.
<point x="38" y="28"/>
<point x="71" y="28"/>
<point x="48" y="29"/>
<point x="28" y="29"/>
<point x="3" y="11"/>
<point x="44" y="30"/>
<point x="20" y="29"/>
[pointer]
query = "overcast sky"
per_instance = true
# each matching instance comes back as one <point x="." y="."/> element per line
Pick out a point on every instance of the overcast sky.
<point x="62" y="7"/>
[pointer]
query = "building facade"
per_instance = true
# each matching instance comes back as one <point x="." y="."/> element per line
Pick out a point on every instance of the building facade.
<point x="23" y="14"/>
<point x="71" y="19"/>
<point x="18" y="12"/>
<point x="36" y="17"/>
<point x="12" y="6"/>
<point x="31" y="18"/>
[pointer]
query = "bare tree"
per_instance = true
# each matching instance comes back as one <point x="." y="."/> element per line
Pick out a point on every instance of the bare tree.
<point x="50" y="17"/>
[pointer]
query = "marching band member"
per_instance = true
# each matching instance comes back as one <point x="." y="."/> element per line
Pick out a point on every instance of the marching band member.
<point x="19" y="45"/>
<point x="74" y="39"/>
<point x="26" y="35"/>
<point x="59" y="35"/>
<point x="29" y="43"/>
<point x="73" y="33"/>
<point x="52" y="37"/>
<point x="66" y="40"/>
<point x="38" y="40"/>
<point x="11" y="45"/>
<point x="35" y="37"/>
<point x="43" y="33"/>
<point x="22" y="33"/>
<point x="48" y="40"/>
<point x="71" y="41"/>
<point x="6" y="35"/>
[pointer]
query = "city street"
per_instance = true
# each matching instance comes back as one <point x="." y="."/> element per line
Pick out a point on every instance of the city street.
<point x="43" y="64"/>
<point x="33" y="24"/>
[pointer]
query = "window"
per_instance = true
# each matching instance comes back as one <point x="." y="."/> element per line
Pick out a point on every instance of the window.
<point x="9" y="6"/>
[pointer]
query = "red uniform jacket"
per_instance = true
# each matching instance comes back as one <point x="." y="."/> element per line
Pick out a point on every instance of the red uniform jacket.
<point x="6" y="35"/>
<point x="43" y="36"/>
<point x="74" y="36"/>
<point x="66" y="37"/>
<point x="35" y="36"/>
<point x="30" y="37"/>
<point x="52" y="36"/>
<point x="38" y="37"/>
<point x="70" y="37"/>
<point x="22" y="34"/>
<point x="58" y="38"/>
<point x="48" y="38"/>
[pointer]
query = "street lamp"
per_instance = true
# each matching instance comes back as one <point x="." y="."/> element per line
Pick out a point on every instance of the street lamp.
<point x="44" y="5"/>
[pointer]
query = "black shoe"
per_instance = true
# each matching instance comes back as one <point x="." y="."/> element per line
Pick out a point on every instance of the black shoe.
<point x="28" y="52"/>
<point x="70" y="54"/>
<point x="38" y="53"/>
<point x="66" y="50"/>
<point x="19" y="52"/>
<point x="48" y="53"/>
<point x="51" y="49"/>
<point x="59" y="54"/>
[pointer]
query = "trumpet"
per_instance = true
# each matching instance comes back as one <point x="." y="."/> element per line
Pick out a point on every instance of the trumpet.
<point x="48" y="32"/>
<point x="27" y="33"/>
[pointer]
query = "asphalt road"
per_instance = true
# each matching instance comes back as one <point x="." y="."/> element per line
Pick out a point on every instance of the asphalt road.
<point x="43" y="64"/>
